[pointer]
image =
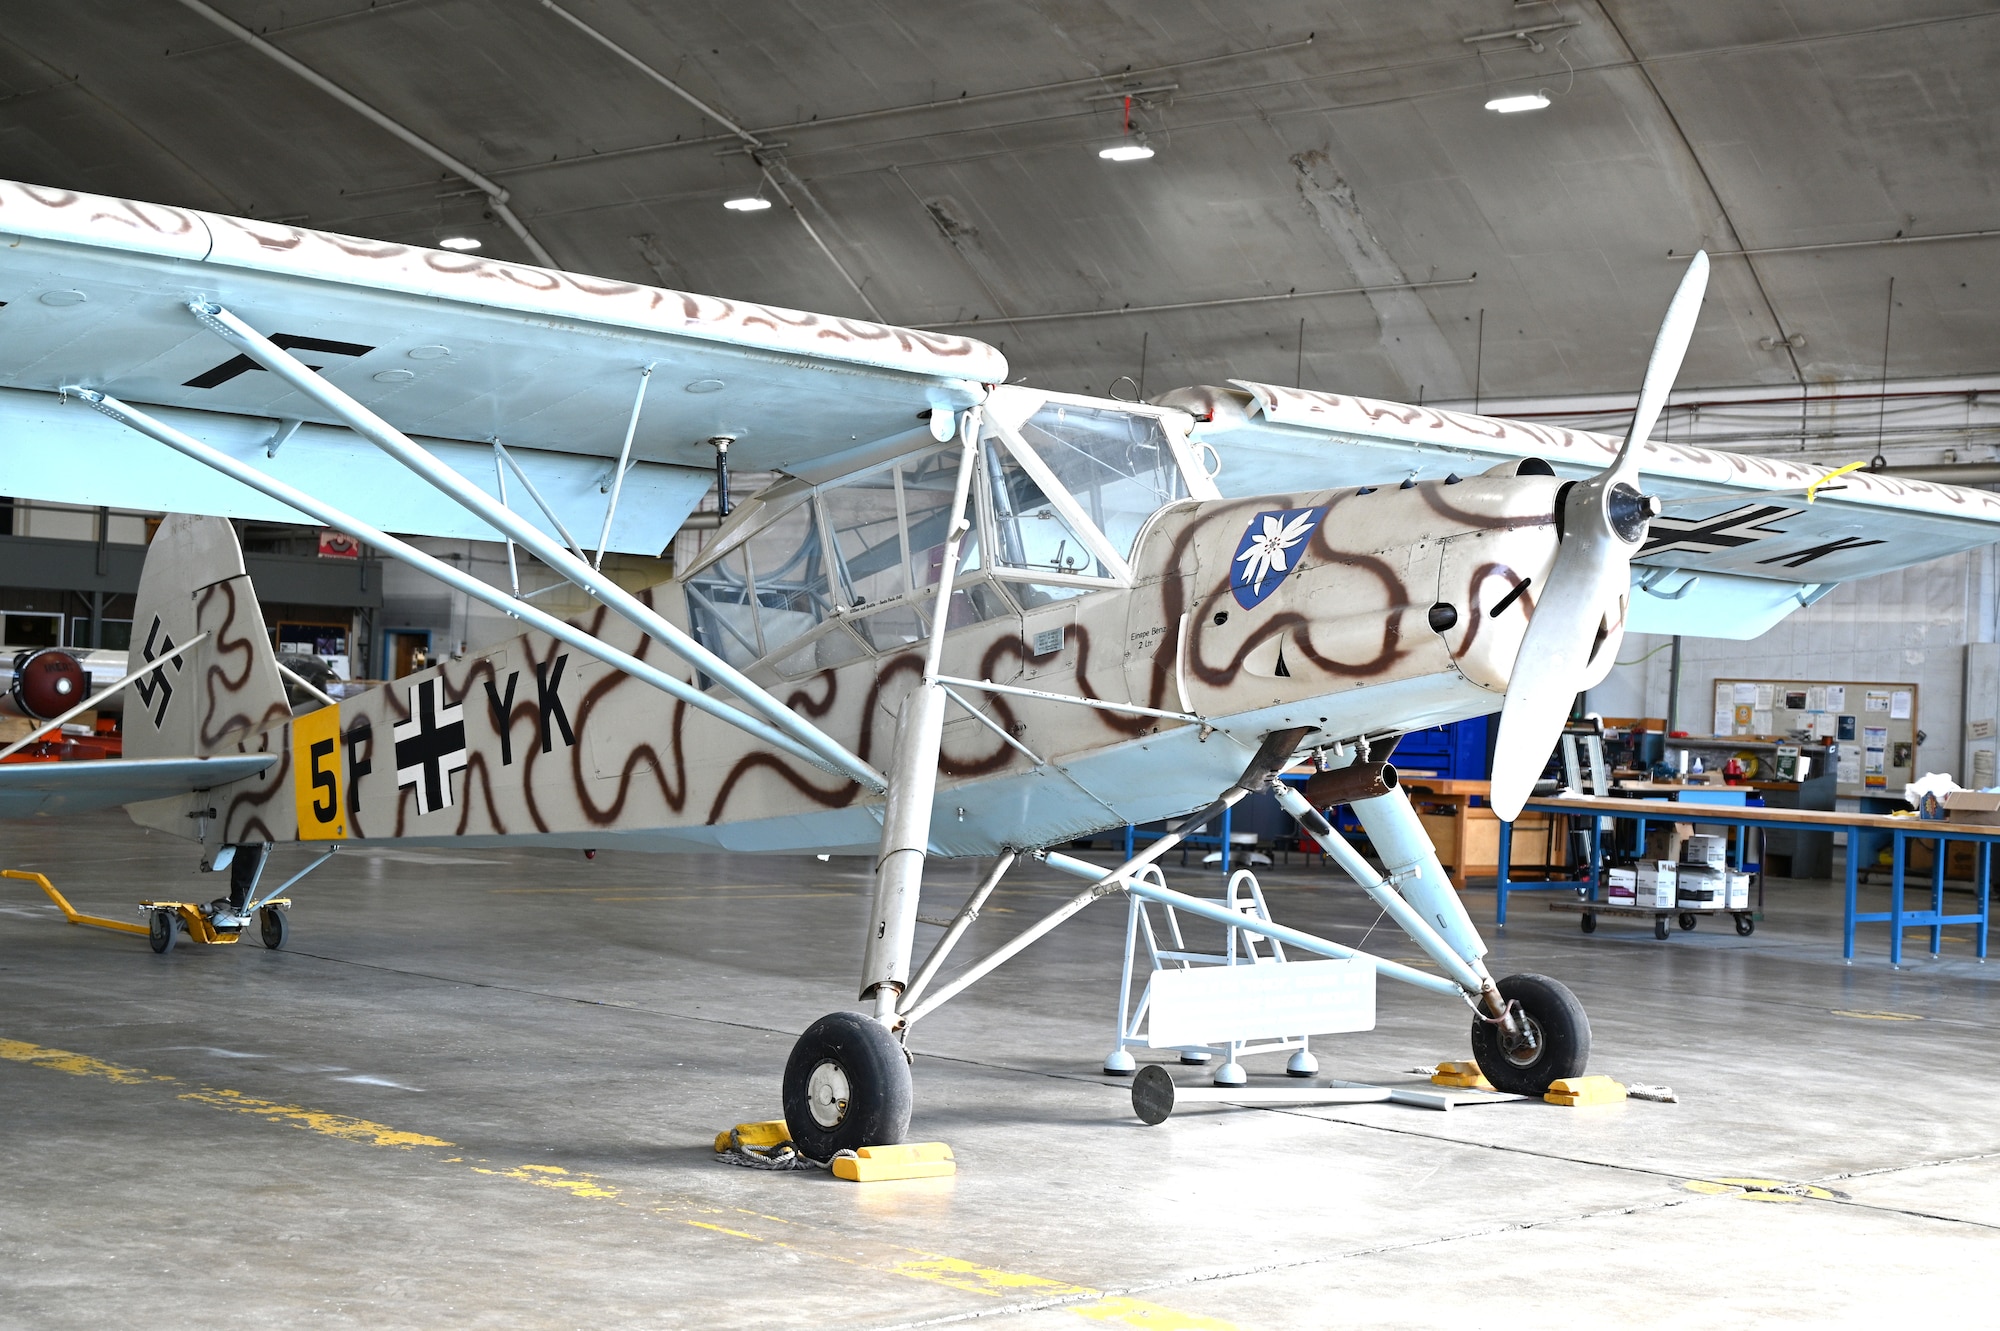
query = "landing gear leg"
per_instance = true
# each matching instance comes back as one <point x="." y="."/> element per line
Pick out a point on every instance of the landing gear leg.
<point x="847" y="1083"/>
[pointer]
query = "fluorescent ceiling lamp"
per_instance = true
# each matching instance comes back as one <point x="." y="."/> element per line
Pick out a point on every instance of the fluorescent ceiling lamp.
<point x="1129" y="151"/>
<point x="1527" y="101"/>
<point x="746" y="205"/>
<point x="460" y="243"/>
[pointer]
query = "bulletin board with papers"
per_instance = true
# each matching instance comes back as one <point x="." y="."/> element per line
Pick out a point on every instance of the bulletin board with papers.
<point x="1873" y="725"/>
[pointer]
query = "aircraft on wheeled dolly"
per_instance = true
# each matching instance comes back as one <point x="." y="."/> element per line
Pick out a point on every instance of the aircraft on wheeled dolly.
<point x="970" y="619"/>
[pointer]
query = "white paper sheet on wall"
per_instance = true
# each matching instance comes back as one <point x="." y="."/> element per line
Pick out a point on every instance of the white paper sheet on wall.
<point x="1877" y="700"/>
<point x="1848" y="771"/>
<point x="1766" y="695"/>
<point x="1836" y="697"/>
<point x="1982" y="767"/>
<point x="1899" y="705"/>
<point x="1824" y="725"/>
<point x="1816" y="699"/>
<point x="1760" y="723"/>
<point x="1746" y="695"/>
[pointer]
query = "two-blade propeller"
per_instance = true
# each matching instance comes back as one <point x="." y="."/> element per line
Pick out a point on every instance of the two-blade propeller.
<point x="1578" y="619"/>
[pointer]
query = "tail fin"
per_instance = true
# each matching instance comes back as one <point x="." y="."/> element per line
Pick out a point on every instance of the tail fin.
<point x="227" y="687"/>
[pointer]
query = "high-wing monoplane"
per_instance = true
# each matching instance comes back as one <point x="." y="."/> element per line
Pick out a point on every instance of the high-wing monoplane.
<point x="970" y="618"/>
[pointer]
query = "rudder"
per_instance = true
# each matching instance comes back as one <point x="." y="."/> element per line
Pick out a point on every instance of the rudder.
<point x="227" y="688"/>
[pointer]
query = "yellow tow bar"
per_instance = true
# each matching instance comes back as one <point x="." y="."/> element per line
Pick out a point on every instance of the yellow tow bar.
<point x="157" y="930"/>
<point x="71" y="913"/>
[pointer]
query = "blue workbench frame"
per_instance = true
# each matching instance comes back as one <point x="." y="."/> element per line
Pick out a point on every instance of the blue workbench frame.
<point x="1898" y="918"/>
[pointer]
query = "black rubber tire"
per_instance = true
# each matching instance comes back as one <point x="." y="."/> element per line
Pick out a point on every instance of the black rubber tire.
<point x="877" y="1109"/>
<point x="1660" y="927"/>
<point x="1564" y="1050"/>
<point x="162" y="931"/>
<point x="1688" y="922"/>
<point x="1745" y="926"/>
<point x="1588" y="923"/>
<point x="274" y="927"/>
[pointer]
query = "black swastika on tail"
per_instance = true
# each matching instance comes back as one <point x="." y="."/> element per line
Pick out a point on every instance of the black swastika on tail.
<point x="155" y="684"/>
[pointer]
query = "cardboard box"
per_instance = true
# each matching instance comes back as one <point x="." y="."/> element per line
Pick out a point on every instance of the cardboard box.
<point x="1656" y="885"/>
<point x="1707" y="850"/>
<point x="1699" y="887"/>
<point x="1972" y="806"/>
<point x="1621" y="886"/>
<point x="1739" y="891"/>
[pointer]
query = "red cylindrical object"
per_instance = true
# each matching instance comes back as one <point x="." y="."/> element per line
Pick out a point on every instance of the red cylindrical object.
<point x="48" y="683"/>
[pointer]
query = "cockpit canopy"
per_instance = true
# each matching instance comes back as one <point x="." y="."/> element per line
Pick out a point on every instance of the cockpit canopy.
<point x="813" y="576"/>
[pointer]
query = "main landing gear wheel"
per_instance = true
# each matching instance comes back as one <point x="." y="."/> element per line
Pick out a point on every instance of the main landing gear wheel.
<point x="1560" y="1037"/>
<point x="847" y="1085"/>
<point x="162" y="931"/>
<point x="273" y="927"/>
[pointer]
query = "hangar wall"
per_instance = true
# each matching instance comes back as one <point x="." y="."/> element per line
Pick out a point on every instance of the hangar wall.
<point x="1912" y="625"/>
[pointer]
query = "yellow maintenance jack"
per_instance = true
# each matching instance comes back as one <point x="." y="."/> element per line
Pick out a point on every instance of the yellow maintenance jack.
<point x="217" y="922"/>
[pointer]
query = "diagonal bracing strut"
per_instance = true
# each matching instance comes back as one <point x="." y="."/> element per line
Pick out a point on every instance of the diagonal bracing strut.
<point x="191" y="447"/>
<point x="474" y="500"/>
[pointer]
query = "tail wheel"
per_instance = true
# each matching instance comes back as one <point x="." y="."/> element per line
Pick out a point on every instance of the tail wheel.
<point x="162" y="931"/>
<point x="274" y="927"/>
<point x="847" y="1085"/>
<point x="1559" y="1043"/>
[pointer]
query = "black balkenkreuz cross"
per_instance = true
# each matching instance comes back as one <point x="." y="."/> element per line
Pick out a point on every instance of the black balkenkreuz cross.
<point x="430" y="746"/>
<point x="1725" y="531"/>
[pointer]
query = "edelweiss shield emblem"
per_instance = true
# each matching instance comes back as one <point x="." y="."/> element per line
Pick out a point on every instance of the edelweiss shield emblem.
<point x="1266" y="553"/>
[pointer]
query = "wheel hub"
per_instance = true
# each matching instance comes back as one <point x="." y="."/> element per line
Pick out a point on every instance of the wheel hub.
<point x="1524" y="1047"/>
<point x="827" y="1093"/>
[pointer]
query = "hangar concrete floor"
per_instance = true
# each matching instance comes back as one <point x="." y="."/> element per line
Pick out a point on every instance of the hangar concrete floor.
<point x="479" y="1090"/>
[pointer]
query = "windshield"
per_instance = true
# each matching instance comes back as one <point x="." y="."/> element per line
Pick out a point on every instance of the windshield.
<point x="1118" y="465"/>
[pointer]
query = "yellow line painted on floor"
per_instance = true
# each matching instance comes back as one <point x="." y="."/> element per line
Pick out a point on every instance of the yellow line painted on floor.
<point x="956" y="1273"/>
<point x="1765" y="1189"/>
<point x="311" y="1120"/>
<point x="77" y="1065"/>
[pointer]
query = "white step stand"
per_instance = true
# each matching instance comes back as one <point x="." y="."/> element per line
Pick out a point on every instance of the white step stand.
<point x="1239" y="948"/>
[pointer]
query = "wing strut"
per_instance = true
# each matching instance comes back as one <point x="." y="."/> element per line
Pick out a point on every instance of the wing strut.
<point x="474" y="500"/>
<point x="191" y="447"/>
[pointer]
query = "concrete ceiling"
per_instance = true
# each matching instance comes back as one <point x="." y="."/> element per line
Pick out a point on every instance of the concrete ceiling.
<point x="945" y="153"/>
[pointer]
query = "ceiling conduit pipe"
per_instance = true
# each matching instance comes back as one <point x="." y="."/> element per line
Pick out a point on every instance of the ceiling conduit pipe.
<point x="758" y="151"/>
<point x="496" y="194"/>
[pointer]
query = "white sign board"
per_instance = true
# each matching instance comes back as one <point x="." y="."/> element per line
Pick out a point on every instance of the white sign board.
<point x="1216" y="1004"/>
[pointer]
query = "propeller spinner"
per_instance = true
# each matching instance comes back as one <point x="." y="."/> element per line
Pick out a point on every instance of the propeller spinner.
<point x="1579" y="619"/>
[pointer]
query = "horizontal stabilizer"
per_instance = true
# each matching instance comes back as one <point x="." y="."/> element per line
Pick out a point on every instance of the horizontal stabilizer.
<point x="27" y="789"/>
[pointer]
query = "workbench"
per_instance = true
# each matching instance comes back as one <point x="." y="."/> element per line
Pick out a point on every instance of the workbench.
<point x="1900" y="831"/>
<point x="1467" y="835"/>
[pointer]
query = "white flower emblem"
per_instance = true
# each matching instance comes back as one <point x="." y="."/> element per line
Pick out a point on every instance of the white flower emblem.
<point x="1267" y="549"/>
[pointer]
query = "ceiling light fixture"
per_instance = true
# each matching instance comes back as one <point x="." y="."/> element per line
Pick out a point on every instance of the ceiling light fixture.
<point x="1127" y="150"/>
<point x="1131" y="148"/>
<point x="1526" y="101"/>
<point x="748" y="204"/>
<point x="459" y="243"/>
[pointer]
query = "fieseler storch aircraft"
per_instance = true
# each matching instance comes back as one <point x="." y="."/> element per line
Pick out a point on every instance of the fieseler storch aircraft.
<point x="971" y="619"/>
